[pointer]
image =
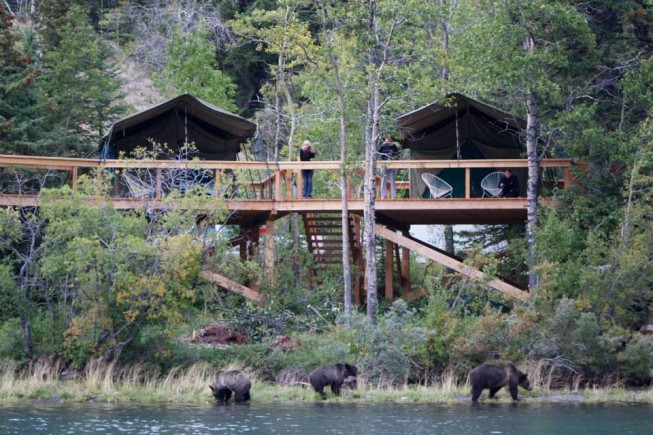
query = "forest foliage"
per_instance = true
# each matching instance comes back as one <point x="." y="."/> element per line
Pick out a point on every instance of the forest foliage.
<point x="81" y="282"/>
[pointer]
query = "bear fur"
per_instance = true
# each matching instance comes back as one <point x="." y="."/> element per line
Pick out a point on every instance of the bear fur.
<point x="333" y="376"/>
<point x="231" y="381"/>
<point x="494" y="377"/>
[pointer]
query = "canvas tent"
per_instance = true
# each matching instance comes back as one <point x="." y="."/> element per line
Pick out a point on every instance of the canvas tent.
<point x="461" y="128"/>
<point x="217" y="134"/>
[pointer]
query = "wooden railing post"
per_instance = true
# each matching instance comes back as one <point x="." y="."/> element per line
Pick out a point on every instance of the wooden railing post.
<point x="468" y="183"/>
<point x="73" y="171"/>
<point x="567" y="177"/>
<point x="277" y="185"/>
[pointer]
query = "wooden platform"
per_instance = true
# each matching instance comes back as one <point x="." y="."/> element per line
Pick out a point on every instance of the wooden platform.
<point x="398" y="212"/>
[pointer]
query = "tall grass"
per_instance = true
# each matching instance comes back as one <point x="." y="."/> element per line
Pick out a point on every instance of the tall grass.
<point x="109" y="383"/>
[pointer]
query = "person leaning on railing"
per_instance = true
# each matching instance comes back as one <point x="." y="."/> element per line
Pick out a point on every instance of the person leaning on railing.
<point x="306" y="154"/>
<point x="389" y="151"/>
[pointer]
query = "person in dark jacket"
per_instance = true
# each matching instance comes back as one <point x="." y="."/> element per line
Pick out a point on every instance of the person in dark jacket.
<point x="306" y="154"/>
<point x="509" y="185"/>
<point x="388" y="151"/>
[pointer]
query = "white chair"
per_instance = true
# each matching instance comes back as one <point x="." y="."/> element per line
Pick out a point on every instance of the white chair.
<point x="490" y="184"/>
<point x="437" y="186"/>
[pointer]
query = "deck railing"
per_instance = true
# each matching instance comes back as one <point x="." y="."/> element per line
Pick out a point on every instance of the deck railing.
<point x="251" y="180"/>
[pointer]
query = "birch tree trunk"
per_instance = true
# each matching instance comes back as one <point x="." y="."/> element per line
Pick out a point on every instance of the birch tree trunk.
<point x="371" y="138"/>
<point x="533" y="173"/>
<point x="533" y="179"/>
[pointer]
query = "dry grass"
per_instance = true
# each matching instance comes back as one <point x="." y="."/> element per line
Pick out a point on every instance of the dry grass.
<point x="108" y="383"/>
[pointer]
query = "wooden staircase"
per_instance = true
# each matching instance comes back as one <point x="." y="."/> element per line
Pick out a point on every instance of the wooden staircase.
<point x="324" y="237"/>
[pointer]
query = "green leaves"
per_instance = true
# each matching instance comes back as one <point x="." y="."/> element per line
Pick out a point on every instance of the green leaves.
<point x="191" y="67"/>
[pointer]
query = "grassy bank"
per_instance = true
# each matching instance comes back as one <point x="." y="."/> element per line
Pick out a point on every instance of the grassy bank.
<point x="136" y="385"/>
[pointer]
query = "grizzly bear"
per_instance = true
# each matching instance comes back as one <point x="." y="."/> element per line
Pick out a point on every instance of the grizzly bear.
<point x="331" y="375"/>
<point x="226" y="382"/>
<point x="496" y="376"/>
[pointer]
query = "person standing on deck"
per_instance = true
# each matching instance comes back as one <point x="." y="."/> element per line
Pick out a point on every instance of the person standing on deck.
<point x="306" y="154"/>
<point x="389" y="151"/>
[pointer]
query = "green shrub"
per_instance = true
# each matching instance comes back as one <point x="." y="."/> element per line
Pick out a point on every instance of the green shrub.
<point x="391" y="351"/>
<point x="11" y="341"/>
<point x="636" y="360"/>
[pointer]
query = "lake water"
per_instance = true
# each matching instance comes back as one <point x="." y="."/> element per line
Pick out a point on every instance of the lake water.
<point x="329" y="418"/>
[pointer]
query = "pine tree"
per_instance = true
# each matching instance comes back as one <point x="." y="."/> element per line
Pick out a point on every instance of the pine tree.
<point x="20" y="124"/>
<point x="80" y="91"/>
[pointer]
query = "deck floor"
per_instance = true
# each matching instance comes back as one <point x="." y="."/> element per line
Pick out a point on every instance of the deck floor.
<point x="399" y="212"/>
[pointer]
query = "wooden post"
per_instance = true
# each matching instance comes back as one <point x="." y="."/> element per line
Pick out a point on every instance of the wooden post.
<point x="468" y="183"/>
<point x="300" y="185"/>
<point x="405" y="267"/>
<point x="389" y="253"/>
<point x="158" y="183"/>
<point x="242" y="245"/>
<point x="567" y="178"/>
<point x="349" y="191"/>
<point x="73" y="171"/>
<point x="277" y="185"/>
<point x="254" y="233"/>
<point x="270" y="272"/>
<point x="217" y="182"/>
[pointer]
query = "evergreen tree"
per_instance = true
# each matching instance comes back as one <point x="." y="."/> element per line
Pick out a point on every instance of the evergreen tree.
<point x="21" y="124"/>
<point x="80" y="91"/>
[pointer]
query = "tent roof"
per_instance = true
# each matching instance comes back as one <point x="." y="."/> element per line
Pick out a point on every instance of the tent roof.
<point x="460" y="127"/>
<point x="183" y="119"/>
<point x="427" y="120"/>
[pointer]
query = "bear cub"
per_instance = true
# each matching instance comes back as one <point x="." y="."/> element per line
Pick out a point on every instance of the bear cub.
<point x="494" y="377"/>
<point x="333" y="376"/>
<point x="231" y="381"/>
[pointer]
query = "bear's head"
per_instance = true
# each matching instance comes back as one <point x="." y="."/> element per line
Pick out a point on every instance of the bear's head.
<point x="350" y="370"/>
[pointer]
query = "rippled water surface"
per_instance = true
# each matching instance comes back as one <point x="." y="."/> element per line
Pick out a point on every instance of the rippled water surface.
<point x="325" y="417"/>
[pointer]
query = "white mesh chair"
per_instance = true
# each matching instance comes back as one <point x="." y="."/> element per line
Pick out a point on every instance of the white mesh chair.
<point x="490" y="184"/>
<point x="437" y="186"/>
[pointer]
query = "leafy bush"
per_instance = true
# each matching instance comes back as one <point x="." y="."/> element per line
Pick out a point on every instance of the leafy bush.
<point x="392" y="351"/>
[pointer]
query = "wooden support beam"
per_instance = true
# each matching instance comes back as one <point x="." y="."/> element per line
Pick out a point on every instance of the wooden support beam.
<point x="232" y="285"/>
<point x="450" y="262"/>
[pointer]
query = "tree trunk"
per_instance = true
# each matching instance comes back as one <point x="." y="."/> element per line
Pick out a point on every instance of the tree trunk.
<point x="533" y="179"/>
<point x="377" y="56"/>
<point x="346" y="248"/>
<point x="281" y="72"/>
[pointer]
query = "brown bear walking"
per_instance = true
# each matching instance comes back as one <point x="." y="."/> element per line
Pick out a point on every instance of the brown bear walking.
<point x="331" y="375"/>
<point x="496" y="376"/>
<point x="226" y="382"/>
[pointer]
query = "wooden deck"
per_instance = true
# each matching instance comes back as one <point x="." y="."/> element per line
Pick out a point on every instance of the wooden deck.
<point x="270" y="196"/>
<point x="259" y="193"/>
